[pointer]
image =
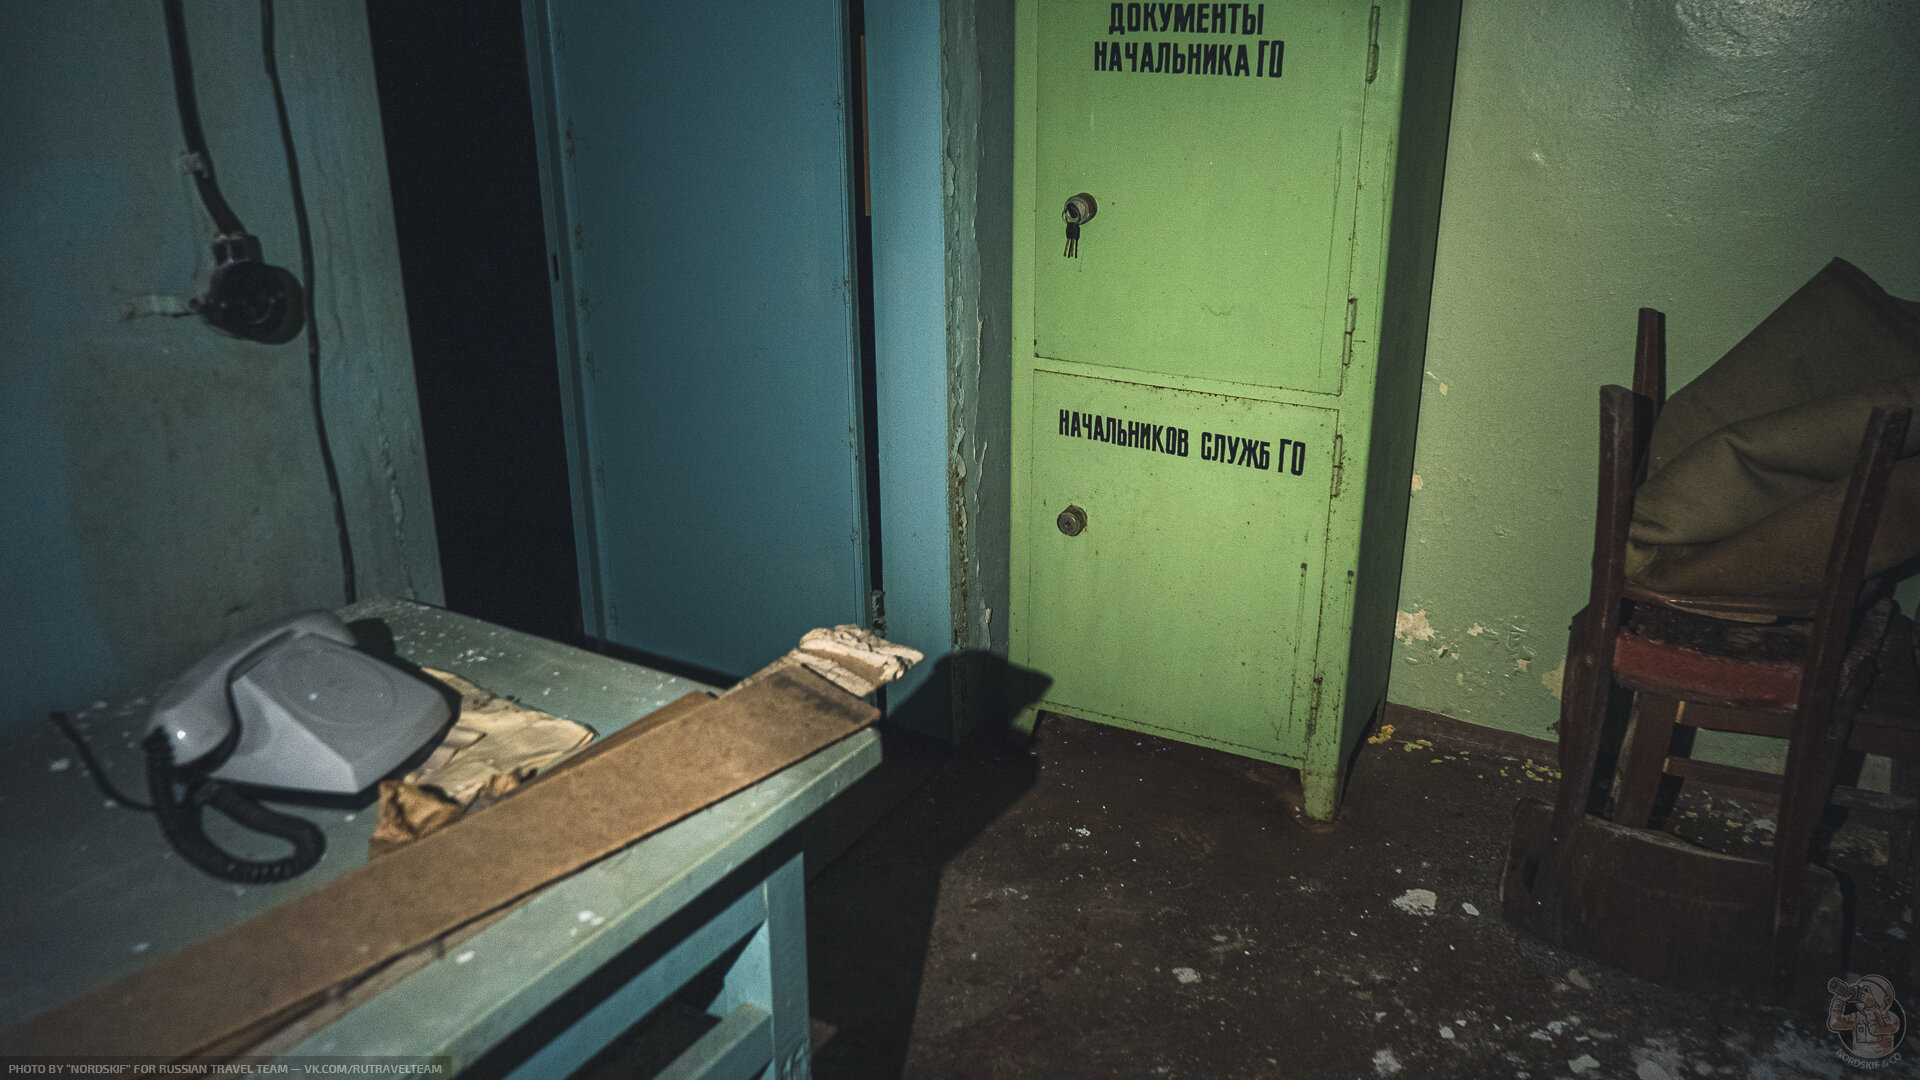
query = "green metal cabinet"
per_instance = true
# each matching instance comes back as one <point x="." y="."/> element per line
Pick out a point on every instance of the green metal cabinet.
<point x="1216" y="378"/>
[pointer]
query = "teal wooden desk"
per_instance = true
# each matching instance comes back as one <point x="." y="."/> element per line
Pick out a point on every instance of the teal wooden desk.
<point x="95" y="893"/>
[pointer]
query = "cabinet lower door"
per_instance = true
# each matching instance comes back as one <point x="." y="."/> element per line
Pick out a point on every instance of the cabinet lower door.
<point x="1177" y="547"/>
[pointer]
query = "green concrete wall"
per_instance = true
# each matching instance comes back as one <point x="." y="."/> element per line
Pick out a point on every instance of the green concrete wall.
<point x="1702" y="158"/>
<point x="162" y="485"/>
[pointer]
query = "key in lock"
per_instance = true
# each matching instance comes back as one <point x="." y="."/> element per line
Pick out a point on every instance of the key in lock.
<point x="1079" y="210"/>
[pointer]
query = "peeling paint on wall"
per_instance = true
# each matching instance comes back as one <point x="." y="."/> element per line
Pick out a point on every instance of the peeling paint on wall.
<point x="1552" y="679"/>
<point x="1417" y="482"/>
<point x="1412" y="627"/>
<point x="1602" y="157"/>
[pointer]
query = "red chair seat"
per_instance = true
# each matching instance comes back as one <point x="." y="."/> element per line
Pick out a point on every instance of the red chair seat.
<point x="1691" y="675"/>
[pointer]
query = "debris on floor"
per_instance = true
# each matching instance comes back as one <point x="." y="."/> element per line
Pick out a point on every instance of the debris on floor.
<point x="1196" y="930"/>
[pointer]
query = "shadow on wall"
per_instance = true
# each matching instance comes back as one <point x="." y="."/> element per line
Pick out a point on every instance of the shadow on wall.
<point x="870" y="916"/>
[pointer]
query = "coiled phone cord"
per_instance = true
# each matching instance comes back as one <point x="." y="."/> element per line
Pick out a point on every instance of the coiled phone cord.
<point x="180" y="822"/>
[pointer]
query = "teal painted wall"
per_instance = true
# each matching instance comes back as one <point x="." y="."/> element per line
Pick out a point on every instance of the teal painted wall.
<point x="1700" y="157"/>
<point x="162" y="485"/>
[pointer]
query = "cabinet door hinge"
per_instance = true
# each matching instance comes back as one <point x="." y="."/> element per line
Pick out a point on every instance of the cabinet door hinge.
<point x="1373" y="44"/>
<point x="1353" y="320"/>
<point x="1339" y="465"/>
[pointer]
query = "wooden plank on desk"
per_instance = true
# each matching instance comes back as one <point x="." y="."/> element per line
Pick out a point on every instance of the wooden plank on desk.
<point x="290" y="958"/>
<point x="461" y="1007"/>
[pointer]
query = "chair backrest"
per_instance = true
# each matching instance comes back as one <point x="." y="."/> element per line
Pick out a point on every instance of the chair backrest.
<point x="1838" y="607"/>
<point x="1650" y="362"/>
<point x="1624" y="419"/>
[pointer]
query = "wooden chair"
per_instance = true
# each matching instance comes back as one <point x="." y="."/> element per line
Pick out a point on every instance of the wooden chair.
<point x="1632" y="639"/>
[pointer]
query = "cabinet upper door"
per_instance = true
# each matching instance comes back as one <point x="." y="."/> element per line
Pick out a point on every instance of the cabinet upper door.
<point x="1218" y="142"/>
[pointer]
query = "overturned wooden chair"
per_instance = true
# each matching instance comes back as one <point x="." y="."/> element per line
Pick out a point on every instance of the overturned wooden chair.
<point x="1645" y="901"/>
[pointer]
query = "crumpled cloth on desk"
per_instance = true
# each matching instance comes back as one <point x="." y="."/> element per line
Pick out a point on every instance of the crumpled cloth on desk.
<point x="493" y="747"/>
<point x="857" y="661"/>
<point x="1749" y="463"/>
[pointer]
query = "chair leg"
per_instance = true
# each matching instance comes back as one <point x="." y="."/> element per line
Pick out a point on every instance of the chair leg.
<point x="1906" y="781"/>
<point x="1645" y="760"/>
<point x="1805" y="793"/>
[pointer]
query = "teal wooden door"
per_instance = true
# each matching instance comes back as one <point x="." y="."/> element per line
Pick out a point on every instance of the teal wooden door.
<point x="697" y="174"/>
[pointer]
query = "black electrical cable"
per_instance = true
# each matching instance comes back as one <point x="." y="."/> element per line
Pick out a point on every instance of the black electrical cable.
<point x="243" y="314"/>
<point x="88" y="761"/>
<point x="200" y="161"/>
<point x="306" y="277"/>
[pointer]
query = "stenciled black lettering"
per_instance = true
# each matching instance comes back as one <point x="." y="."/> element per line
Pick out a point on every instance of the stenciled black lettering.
<point x="1264" y="456"/>
<point x="1116" y="19"/>
<point x="1164" y="49"/>
<point x="1240" y="66"/>
<point x="1299" y="458"/>
<point x="1233" y="18"/>
<point x="1200" y="18"/>
<point x="1133" y="57"/>
<point x="1273" y="59"/>
<point x="1260" y="21"/>
<point x="1133" y="18"/>
<point x="1183" y="19"/>
<point x="1063" y="421"/>
<point x="1182" y="442"/>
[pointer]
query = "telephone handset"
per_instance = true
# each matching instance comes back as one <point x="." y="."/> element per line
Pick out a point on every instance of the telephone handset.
<point x="294" y="706"/>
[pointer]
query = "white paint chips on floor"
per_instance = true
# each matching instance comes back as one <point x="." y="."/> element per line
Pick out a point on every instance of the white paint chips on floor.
<point x="1416" y="901"/>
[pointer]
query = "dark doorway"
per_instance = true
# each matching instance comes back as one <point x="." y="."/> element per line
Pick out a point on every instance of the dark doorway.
<point x="458" y="119"/>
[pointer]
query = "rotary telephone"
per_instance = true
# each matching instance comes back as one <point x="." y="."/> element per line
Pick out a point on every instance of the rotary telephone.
<point x="294" y="707"/>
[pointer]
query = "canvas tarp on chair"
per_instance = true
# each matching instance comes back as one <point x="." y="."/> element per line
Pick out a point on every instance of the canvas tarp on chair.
<point x="1749" y="463"/>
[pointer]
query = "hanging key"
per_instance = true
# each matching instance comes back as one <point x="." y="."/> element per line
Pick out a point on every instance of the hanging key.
<point x="1079" y="210"/>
